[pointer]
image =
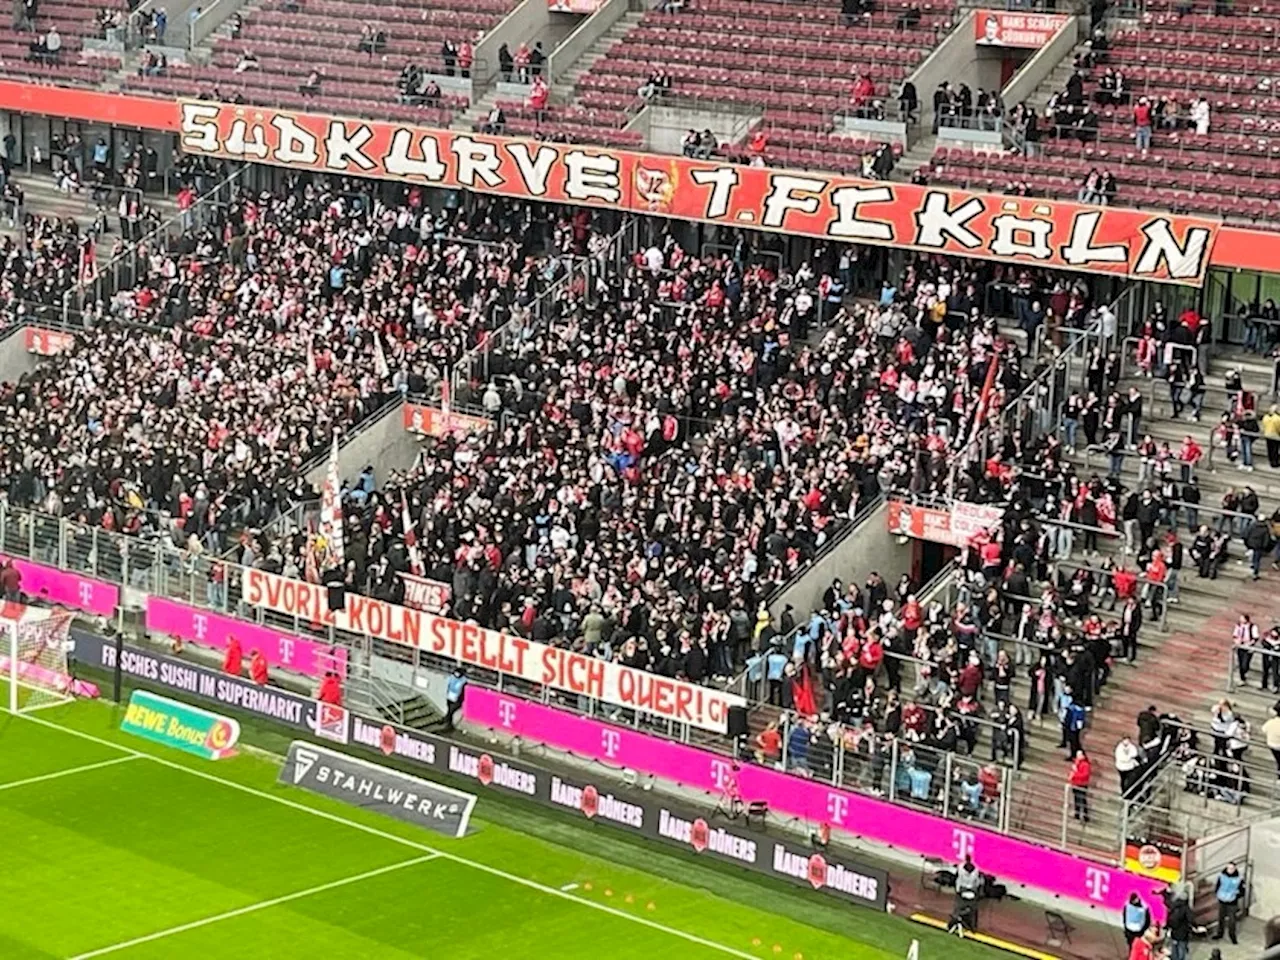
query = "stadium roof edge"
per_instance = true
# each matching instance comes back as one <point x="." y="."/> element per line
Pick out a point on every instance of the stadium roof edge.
<point x="1143" y="245"/>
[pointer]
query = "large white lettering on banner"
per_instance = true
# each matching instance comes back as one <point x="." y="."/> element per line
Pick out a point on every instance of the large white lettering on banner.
<point x="467" y="643"/>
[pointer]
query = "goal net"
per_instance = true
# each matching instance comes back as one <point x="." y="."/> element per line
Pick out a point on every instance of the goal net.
<point x="34" y="658"/>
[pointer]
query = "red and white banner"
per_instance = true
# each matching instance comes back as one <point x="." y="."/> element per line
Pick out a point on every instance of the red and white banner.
<point x="1045" y="233"/>
<point x="956" y="526"/>
<point x="423" y="593"/>
<point x="1003" y="28"/>
<point x="1232" y="247"/>
<point x="332" y="528"/>
<point x="470" y="644"/>
<point x="574" y="6"/>
<point x="47" y="343"/>
<point x="435" y="422"/>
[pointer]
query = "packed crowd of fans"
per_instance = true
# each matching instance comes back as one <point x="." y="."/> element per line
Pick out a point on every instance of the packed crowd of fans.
<point x="674" y="446"/>
<point x="200" y="391"/>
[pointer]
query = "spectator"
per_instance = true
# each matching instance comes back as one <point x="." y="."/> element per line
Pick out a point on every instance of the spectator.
<point x="1271" y="730"/>
<point x="330" y="690"/>
<point x="258" y="668"/>
<point x="1142" y="125"/>
<point x="455" y="696"/>
<point x="1079" y="777"/>
<point x="1200" y="116"/>
<point x="1127" y="765"/>
<point x="233" y="660"/>
<point x="506" y="63"/>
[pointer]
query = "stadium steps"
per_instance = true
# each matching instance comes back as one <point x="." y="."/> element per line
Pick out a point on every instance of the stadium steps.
<point x="414" y="712"/>
<point x="920" y="155"/>
<point x="598" y="50"/>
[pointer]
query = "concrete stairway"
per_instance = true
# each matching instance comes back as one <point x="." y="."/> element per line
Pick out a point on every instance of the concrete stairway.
<point x="598" y="50"/>
<point x="919" y="155"/>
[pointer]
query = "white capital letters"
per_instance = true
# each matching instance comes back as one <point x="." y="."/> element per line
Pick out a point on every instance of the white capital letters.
<point x="1081" y="250"/>
<point x="476" y="160"/>
<point x="200" y="127"/>
<point x="722" y="180"/>
<point x="400" y="163"/>
<point x="345" y="149"/>
<point x="297" y="145"/>
<point x="1161" y="247"/>
<point x="848" y="225"/>
<point x="1010" y="227"/>
<point x="247" y="141"/>
<point x="534" y="170"/>
<point x="592" y="177"/>
<point x="782" y="197"/>
<point x="935" y="222"/>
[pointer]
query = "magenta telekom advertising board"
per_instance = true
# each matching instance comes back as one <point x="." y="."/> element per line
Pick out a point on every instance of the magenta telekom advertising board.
<point x="281" y="648"/>
<point x="66" y="588"/>
<point x="1013" y="861"/>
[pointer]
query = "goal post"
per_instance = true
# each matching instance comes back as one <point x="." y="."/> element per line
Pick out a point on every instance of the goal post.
<point x="34" y="661"/>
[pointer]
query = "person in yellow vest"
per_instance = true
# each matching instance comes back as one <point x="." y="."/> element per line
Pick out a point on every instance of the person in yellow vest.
<point x="1271" y="433"/>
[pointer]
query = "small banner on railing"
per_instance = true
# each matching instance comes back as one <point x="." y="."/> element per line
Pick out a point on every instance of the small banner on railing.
<point x="423" y="593"/>
<point x="434" y="422"/>
<point x="1158" y="859"/>
<point x="47" y="343"/>
<point x="1002" y="28"/>
<point x="956" y="525"/>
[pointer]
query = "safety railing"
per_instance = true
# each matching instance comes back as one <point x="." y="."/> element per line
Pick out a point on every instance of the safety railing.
<point x="125" y="268"/>
<point x="580" y="276"/>
<point x="912" y="773"/>
<point x="161" y="567"/>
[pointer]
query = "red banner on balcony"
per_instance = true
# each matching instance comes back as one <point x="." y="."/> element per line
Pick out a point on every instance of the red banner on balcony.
<point x="47" y="343"/>
<point x="1003" y="28"/>
<point x="1046" y="233"/>
<point x="956" y="525"/>
<point x="434" y="422"/>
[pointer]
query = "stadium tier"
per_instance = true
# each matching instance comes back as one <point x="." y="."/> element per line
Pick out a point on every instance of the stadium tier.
<point x="1198" y="74"/>
<point x="437" y="399"/>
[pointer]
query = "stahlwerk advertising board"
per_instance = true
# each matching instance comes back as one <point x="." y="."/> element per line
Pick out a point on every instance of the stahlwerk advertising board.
<point x="638" y="815"/>
<point x="372" y="786"/>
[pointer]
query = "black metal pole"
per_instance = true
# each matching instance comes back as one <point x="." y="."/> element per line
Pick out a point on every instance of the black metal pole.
<point x="117" y="676"/>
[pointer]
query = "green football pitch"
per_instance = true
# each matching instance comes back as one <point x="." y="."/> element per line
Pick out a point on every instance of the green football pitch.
<point x="116" y="847"/>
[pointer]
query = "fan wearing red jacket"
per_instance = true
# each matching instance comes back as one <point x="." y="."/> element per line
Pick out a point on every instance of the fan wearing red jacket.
<point x="258" y="668"/>
<point x="233" y="662"/>
<point x="1081" y="773"/>
<point x="330" y="689"/>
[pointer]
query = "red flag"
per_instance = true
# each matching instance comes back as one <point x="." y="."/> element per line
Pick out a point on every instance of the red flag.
<point x="984" y="399"/>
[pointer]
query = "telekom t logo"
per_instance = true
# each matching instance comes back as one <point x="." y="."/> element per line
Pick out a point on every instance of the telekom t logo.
<point x="506" y="712"/>
<point x="85" y="589"/>
<point x="1097" y="882"/>
<point x="200" y="625"/>
<point x="962" y="842"/>
<point x="837" y="807"/>
<point x="719" y="773"/>
<point x="285" y="646"/>
<point x="610" y="741"/>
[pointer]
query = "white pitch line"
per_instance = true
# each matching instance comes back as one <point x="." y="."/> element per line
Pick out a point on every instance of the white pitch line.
<point x="12" y="784"/>
<point x="326" y="815"/>
<point x="252" y="908"/>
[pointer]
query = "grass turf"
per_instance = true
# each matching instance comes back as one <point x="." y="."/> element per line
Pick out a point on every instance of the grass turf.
<point x="104" y="847"/>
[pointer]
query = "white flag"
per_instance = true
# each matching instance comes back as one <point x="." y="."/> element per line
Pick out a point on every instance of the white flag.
<point x="331" y="513"/>
<point x="380" y="359"/>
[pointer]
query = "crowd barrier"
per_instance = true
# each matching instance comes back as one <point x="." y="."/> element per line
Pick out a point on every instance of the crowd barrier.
<point x="67" y="589"/>
<point x="284" y="650"/>
<point x="618" y="808"/>
<point x="1085" y="882"/>
<point x="1082" y="881"/>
